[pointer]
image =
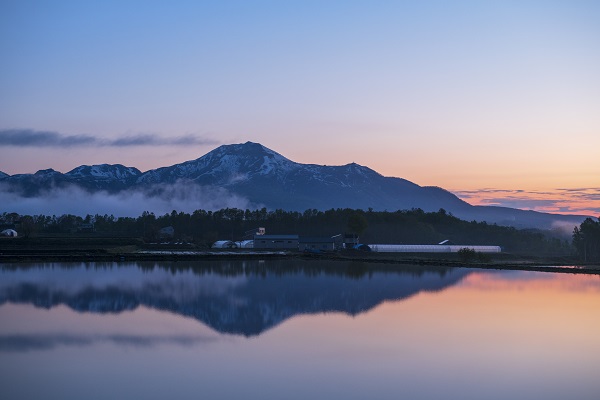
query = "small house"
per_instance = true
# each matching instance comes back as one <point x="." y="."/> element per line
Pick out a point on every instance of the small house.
<point x="168" y="232"/>
<point x="86" y="227"/>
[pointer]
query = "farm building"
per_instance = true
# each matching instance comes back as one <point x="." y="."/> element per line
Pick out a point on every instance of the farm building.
<point x="350" y="240"/>
<point x="86" y="227"/>
<point x="224" y="244"/>
<point x="361" y="247"/>
<point x="307" y="243"/>
<point x="9" y="233"/>
<point x="245" y="244"/>
<point x="289" y="242"/>
<point x="430" y="248"/>
<point x="252" y="232"/>
<point x="167" y="232"/>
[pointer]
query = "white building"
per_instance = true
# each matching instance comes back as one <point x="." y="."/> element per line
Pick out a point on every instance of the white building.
<point x="245" y="244"/>
<point x="431" y="248"/>
<point x="9" y="233"/>
<point x="224" y="244"/>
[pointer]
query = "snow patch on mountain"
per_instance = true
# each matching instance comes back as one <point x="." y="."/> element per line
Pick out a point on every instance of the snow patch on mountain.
<point x="104" y="172"/>
<point x="226" y="165"/>
<point x="263" y="176"/>
<point x="47" y="173"/>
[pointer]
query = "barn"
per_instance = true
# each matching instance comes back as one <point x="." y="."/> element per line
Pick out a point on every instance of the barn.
<point x="308" y="243"/>
<point x="289" y="242"/>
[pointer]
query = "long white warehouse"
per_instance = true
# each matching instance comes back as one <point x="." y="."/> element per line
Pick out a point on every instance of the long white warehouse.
<point x="430" y="248"/>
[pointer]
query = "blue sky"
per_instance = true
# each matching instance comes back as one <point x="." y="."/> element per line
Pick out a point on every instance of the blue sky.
<point x="463" y="95"/>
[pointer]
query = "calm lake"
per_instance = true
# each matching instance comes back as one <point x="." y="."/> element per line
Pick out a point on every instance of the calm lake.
<point x="290" y="329"/>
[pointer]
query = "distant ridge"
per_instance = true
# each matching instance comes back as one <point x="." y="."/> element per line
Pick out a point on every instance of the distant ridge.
<point x="264" y="176"/>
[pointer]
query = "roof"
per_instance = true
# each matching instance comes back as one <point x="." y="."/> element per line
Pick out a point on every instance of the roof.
<point x="316" y="239"/>
<point x="431" y="248"/>
<point x="276" y="237"/>
<point x="220" y="243"/>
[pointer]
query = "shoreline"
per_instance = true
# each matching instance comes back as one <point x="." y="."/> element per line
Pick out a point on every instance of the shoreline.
<point x="117" y="249"/>
<point x="135" y="255"/>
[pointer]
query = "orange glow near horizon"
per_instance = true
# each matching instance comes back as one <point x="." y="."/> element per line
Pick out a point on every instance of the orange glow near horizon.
<point x="501" y="305"/>
<point x="577" y="201"/>
<point x="534" y="281"/>
<point x="478" y="181"/>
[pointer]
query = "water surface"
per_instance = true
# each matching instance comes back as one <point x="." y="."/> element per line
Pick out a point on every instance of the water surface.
<point x="295" y="330"/>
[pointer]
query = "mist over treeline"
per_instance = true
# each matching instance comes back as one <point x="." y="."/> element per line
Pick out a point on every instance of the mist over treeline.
<point x="159" y="198"/>
<point x="203" y="227"/>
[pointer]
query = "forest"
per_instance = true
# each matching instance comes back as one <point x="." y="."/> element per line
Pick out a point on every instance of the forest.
<point x="202" y="228"/>
<point x="586" y="240"/>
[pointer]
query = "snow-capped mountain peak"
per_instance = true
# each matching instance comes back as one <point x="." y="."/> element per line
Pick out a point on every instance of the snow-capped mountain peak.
<point x="46" y="173"/>
<point x="265" y="177"/>
<point x="251" y="158"/>
<point x="225" y="165"/>
<point x="104" y="172"/>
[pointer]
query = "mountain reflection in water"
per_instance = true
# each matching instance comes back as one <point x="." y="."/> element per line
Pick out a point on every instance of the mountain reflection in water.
<point x="234" y="297"/>
<point x="203" y="330"/>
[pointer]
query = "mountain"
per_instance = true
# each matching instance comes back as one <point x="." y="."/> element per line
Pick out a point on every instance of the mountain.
<point x="259" y="297"/>
<point x="3" y="175"/>
<point x="104" y="177"/>
<point x="264" y="176"/>
<point x="31" y="185"/>
<point x="110" y="178"/>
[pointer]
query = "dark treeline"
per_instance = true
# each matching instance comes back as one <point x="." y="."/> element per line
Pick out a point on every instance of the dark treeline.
<point x="205" y="227"/>
<point x="586" y="239"/>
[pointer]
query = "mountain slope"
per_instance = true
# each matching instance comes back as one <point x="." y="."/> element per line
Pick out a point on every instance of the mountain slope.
<point x="104" y="176"/>
<point x="267" y="177"/>
<point x="30" y="185"/>
<point x="264" y="176"/>
<point x="110" y="178"/>
<point x="225" y="165"/>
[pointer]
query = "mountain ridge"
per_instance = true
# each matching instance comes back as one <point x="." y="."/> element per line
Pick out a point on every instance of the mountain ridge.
<point x="264" y="176"/>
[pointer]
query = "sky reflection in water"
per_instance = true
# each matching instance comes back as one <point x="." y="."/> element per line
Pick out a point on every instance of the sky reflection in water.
<point x="272" y="330"/>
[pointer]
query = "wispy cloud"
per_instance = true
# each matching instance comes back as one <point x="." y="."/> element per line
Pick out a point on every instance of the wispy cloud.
<point x="33" y="138"/>
<point x="584" y="201"/>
